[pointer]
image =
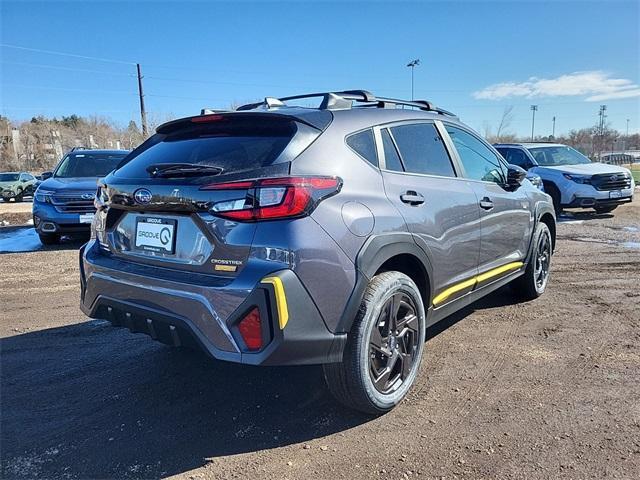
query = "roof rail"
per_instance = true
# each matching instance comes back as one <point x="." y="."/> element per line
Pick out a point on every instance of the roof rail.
<point x="345" y="99"/>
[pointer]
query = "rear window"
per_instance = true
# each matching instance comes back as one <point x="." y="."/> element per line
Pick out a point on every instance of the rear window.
<point x="232" y="145"/>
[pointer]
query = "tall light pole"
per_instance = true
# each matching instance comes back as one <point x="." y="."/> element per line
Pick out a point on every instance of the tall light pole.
<point x="413" y="64"/>
<point x="553" y="130"/>
<point x="626" y="137"/>
<point x="534" y="109"/>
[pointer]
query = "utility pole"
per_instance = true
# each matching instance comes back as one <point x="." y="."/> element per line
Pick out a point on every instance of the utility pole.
<point x="601" y="114"/>
<point x="413" y="64"/>
<point x="553" y="130"/>
<point x="534" y="109"/>
<point x="143" y="113"/>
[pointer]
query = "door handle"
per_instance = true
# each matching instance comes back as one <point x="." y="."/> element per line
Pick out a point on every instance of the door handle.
<point x="412" y="198"/>
<point x="486" y="203"/>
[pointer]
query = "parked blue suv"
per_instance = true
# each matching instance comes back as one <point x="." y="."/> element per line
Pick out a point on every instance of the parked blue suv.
<point x="572" y="180"/>
<point x="63" y="203"/>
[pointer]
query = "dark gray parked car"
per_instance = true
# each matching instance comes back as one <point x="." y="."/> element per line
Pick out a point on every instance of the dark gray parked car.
<point x="282" y="235"/>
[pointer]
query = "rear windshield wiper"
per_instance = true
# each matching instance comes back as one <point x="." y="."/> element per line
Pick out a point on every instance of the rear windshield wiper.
<point x="168" y="170"/>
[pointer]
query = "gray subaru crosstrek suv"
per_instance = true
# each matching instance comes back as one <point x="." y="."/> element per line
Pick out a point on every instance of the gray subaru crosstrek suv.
<point x="285" y="235"/>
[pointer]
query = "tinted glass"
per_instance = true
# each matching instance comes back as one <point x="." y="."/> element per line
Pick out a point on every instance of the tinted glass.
<point x="391" y="158"/>
<point x="553" y="156"/>
<point x="88" y="164"/>
<point x="364" y="145"/>
<point x="234" y="145"/>
<point x="8" y="177"/>
<point x="422" y="149"/>
<point x="480" y="163"/>
<point x="515" y="156"/>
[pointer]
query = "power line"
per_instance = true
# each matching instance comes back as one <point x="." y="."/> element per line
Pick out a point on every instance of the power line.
<point x="42" y="87"/>
<point x="70" y="69"/>
<point x="64" y="54"/>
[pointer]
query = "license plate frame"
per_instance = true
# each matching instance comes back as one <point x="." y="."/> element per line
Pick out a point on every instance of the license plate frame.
<point x="86" y="217"/>
<point x="155" y="238"/>
<point x="615" y="194"/>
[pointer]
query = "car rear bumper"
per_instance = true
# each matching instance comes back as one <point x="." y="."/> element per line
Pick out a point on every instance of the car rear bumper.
<point x="192" y="312"/>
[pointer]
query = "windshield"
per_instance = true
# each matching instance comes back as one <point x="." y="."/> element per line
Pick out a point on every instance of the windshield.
<point x="9" y="177"/>
<point x="88" y="164"/>
<point x="554" y="156"/>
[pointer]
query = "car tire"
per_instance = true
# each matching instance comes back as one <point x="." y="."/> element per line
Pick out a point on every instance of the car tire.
<point x="367" y="379"/>
<point x="49" y="238"/>
<point x="554" y="193"/>
<point x="609" y="209"/>
<point x="533" y="282"/>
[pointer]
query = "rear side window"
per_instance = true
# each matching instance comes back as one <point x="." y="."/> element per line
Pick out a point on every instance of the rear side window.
<point x="391" y="158"/>
<point x="234" y="145"/>
<point x="364" y="145"/>
<point x="422" y="150"/>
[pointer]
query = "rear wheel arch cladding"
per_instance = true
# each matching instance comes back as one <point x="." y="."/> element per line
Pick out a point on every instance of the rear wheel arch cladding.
<point x="374" y="254"/>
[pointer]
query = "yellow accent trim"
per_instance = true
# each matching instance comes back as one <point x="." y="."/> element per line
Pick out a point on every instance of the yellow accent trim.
<point x="225" y="268"/>
<point x="497" y="271"/>
<point x="473" y="282"/>
<point x="281" y="300"/>
<point x="455" y="289"/>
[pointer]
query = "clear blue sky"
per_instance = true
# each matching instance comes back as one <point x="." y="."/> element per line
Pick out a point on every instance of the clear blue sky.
<point x="476" y="57"/>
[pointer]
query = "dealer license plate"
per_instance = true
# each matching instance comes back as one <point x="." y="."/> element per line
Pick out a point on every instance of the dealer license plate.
<point x="156" y="234"/>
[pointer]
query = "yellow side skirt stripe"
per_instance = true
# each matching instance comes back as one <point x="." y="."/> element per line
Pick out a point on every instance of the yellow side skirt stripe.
<point x="473" y="282"/>
<point x="281" y="300"/>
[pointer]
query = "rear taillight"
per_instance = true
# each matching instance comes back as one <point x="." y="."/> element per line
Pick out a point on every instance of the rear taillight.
<point x="250" y="328"/>
<point x="274" y="198"/>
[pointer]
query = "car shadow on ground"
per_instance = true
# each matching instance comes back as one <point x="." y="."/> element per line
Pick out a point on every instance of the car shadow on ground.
<point x="92" y="401"/>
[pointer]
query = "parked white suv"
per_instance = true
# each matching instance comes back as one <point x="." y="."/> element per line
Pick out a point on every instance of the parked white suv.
<point x="572" y="180"/>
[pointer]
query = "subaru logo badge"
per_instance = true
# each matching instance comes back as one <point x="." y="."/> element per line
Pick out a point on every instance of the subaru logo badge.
<point x="142" y="195"/>
<point x="87" y="196"/>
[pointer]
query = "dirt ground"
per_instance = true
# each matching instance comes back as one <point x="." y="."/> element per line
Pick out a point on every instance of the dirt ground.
<point x="546" y="389"/>
<point x="15" y="213"/>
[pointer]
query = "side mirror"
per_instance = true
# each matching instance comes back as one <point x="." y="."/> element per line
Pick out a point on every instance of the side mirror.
<point x="515" y="176"/>
<point x="46" y="175"/>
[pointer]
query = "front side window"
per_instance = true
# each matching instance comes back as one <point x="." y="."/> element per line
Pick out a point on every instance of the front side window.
<point x="364" y="145"/>
<point x="478" y="160"/>
<point x="422" y="150"/>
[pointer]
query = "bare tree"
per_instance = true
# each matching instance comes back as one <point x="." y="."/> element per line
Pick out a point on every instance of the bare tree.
<point x="505" y="121"/>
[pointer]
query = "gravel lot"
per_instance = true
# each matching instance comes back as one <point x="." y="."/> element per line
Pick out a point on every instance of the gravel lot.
<point x="546" y="389"/>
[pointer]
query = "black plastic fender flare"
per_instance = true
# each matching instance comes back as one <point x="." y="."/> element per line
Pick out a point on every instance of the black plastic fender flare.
<point x="373" y="254"/>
